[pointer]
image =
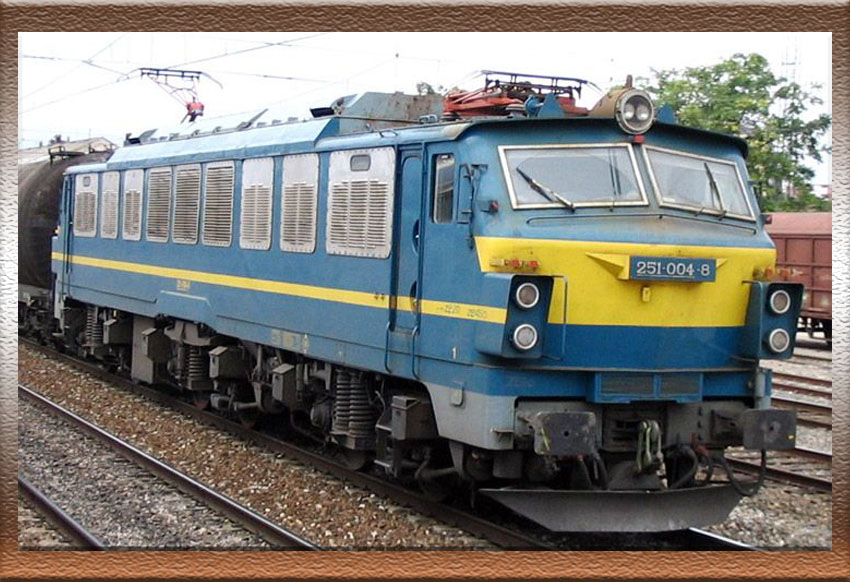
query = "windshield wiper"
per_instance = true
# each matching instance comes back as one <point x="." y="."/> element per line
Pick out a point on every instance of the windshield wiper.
<point x="715" y="191"/>
<point x="546" y="191"/>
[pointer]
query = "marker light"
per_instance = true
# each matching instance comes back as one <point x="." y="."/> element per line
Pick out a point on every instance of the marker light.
<point x="634" y="111"/>
<point x="778" y="340"/>
<point x="527" y="295"/>
<point x="780" y="302"/>
<point x="525" y="337"/>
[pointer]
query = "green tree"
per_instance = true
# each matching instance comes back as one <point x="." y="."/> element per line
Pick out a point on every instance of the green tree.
<point x="741" y="96"/>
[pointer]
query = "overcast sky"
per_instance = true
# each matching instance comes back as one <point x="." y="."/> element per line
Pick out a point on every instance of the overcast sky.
<point x="83" y="84"/>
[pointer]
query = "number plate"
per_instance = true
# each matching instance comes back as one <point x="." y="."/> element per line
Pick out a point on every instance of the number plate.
<point x="672" y="269"/>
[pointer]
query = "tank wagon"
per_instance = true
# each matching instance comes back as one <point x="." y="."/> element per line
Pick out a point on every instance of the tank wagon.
<point x="558" y="308"/>
<point x="804" y="255"/>
<point x="40" y="178"/>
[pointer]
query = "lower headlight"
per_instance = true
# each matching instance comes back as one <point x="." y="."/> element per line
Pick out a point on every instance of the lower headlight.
<point x="780" y="302"/>
<point x="524" y="337"/>
<point x="778" y="340"/>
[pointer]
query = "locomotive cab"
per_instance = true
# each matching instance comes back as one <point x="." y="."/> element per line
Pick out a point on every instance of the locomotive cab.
<point x="631" y="262"/>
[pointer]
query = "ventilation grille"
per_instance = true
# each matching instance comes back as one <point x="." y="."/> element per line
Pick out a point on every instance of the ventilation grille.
<point x="631" y="384"/>
<point x="132" y="214"/>
<point x="187" y="197"/>
<point x="672" y="384"/>
<point x="85" y="205"/>
<point x="256" y="224"/>
<point x="359" y="218"/>
<point x="218" y="206"/>
<point x="109" y="214"/>
<point x="298" y="227"/>
<point x="109" y="206"/>
<point x="132" y="225"/>
<point x="159" y="201"/>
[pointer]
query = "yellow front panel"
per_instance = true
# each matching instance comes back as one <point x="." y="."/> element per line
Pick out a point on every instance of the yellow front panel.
<point x="598" y="291"/>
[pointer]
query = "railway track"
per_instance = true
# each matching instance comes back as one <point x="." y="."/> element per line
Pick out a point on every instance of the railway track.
<point x="784" y="377"/>
<point x="504" y="537"/>
<point x="80" y="537"/>
<point x="800" y="466"/>
<point x="276" y="535"/>
<point x="816" y="415"/>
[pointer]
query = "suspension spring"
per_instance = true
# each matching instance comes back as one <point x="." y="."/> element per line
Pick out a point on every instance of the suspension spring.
<point x="362" y="415"/>
<point x="94" y="330"/>
<point x="342" y="413"/>
<point x="197" y="364"/>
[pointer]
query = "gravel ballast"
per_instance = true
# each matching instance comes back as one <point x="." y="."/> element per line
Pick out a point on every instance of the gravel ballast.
<point x="35" y="532"/>
<point x="118" y="502"/>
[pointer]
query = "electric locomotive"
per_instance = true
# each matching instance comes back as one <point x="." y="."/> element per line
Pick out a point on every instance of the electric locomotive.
<point x="558" y="308"/>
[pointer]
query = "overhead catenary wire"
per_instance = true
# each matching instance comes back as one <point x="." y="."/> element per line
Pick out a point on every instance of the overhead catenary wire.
<point x="87" y="61"/>
<point x="247" y="50"/>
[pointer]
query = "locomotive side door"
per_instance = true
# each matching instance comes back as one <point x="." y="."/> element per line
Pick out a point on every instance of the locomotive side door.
<point x="404" y="313"/>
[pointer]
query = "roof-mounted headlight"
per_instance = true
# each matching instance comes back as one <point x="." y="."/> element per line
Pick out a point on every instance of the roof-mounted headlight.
<point x="634" y="111"/>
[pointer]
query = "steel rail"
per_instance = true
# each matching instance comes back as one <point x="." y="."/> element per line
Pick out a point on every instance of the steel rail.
<point x="811" y="357"/>
<point x="802" y="390"/>
<point x="268" y="530"/>
<point x="802" y="379"/>
<point x="67" y="525"/>
<point x="823" y="418"/>
<point x="708" y="540"/>
<point x="781" y="475"/>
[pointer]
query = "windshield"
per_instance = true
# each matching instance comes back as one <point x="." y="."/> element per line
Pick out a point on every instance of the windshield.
<point x="705" y="184"/>
<point x="572" y="176"/>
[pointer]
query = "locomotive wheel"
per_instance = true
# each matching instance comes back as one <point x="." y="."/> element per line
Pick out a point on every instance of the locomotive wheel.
<point x="201" y="400"/>
<point x="249" y="418"/>
<point x="355" y="460"/>
<point x="437" y="490"/>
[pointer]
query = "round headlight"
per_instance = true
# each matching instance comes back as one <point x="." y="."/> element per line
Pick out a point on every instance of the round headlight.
<point x="778" y="340"/>
<point x="780" y="302"/>
<point x="525" y="337"/>
<point x="527" y="295"/>
<point x="634" y="111"/>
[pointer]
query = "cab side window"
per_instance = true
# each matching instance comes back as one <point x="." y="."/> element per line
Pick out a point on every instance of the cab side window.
<point x="444" y="188"/>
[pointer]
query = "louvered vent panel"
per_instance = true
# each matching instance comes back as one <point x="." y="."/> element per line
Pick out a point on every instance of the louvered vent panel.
<point x="298" y="229"/>
<point x="359" y="218"/>
<point x="187" y="196"/>
<point x="256" y="223"/>
<point x="109" y="214"/>
<point x="159" y="202"/>
<point x="85" y="204"/>
<point x="132" y="215"/>
<point x="218" y="206"/>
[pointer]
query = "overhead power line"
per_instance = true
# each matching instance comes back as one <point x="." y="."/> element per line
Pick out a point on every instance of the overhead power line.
<point x="87" y="61"/>
<point x="248" y="50"/>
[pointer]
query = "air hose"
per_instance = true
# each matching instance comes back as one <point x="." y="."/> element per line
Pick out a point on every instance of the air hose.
<point x="742" y="490"/>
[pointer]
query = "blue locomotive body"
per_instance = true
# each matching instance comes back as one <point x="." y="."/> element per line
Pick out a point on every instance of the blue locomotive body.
<point x="498" y="301"/>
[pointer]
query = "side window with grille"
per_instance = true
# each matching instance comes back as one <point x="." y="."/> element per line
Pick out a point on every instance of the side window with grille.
<point x="85" y="205"/>
<point x="187" y="202"/>
<point x="360" y="205"/>
<point x="159" y="204"/>
<point x="218" y="204"/>
<point x="444" y="188"/>
<point x="109" y="206"/>
<point x="132" y="224"/>
<point x="255" y="226"/>
<point x="299" y="201"/>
